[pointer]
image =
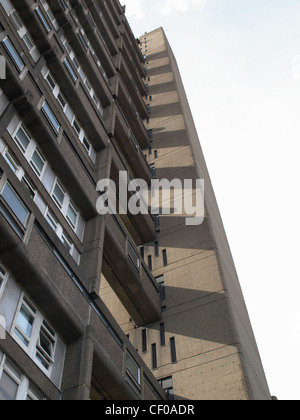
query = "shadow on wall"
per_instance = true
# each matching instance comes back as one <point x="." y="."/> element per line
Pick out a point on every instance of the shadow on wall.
<point x="210" y="315"/>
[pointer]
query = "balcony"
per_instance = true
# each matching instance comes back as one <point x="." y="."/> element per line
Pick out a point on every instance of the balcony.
<point x="105" y="30"/>
<point x="131" y="112"/>
<point x="48" y="276"/>
<point x="96" y="40"/>
<point x="124" y="57"/>
<point x="128" y="275"/>
<point x="131" y="87"/>
<point x="118" y="128"/>
<point x="141" y="226"/>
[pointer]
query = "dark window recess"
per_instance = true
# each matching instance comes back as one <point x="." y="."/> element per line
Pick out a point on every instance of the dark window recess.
<point x="153" y="170"/>
<point x="157" y="220"/>
<point x="154" y="356"/>
<point x="144" y="341"/>
<point x="162" y="335"/>
<point x="150" y="134"/>
<point x="173" y="350"/>
<point x="150" y="262"/>
<point x="142" y="251"/>
<point x="162" y="288"/>
<point x="167" y="384"/>
<point x="156" y="249"/>
<point x="165" y="257"/>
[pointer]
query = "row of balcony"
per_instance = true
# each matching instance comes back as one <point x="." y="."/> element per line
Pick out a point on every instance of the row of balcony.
<point x="55" y="284"/>
<point x="67" y="161"/>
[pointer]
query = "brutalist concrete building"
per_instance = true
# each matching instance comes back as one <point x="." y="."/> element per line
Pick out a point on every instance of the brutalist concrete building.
<point x="116" y="306"/>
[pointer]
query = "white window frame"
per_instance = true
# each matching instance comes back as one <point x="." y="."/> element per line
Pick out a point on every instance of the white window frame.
<point x="23" y="33"/>
<point x="25" y="389"/>
<point x="24" y="224"/>
<point x="34" y="345"/>
<point x="55" y="198"/>
<point x="30" y="151"/>
<point x="80" y="134"/>
<point x="3" y="279"/>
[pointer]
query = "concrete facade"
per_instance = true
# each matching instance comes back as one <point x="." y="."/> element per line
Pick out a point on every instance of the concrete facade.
<point x="204" y="312"/>
<point x="71" y="109"/>
<point x="116" y="306"/>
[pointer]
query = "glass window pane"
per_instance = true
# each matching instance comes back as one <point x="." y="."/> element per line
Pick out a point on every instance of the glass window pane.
<point x="22" y="139"/>
<point x="15" y="204"/>
<point x="61" y="100"/>
<point x="72" y="216"/>
<point x="24" y="325"/>
<point x="43" y="19"/>
<point x="70" y="69"/>
<point x="52" y="220"/>
<point x="16" y="20"/>
<point x="14" y="54"/>
<point x="11" y="161"/>
<point x="8" y="388"/>
<point x="50" y="80"/>
<point x="132" y="368"/>
<point x="37" y="162"/>
<point x="28" y="42"/>
<point x="58" y="195"/>
<point x="51" y="117"/>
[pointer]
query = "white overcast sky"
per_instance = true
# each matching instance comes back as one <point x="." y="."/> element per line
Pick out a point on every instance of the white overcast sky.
<point x="240" y="63"/>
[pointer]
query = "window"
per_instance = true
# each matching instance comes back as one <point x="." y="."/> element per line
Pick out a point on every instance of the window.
<point x="29" y="186"/>
<point x="157" y="221"/>
<point x="72" y="215"/>
<point x="153" y="170"/>
<point x="22" y="139"/>
<point x="70" y="70"/>
<point x="144" y="341"/>
<point x="167" y="384"/>
<point x="156" y="249"/>
<point x="17" y="60"/>
<point x="37" y="163"/>
<point x="50" y="117"/>
<point x="3" y="279"/>
<point x="24" y="322"/>
<point x="14" y="385"/>
<point x="162" y="288"/>
<point x="50" y="80"/>
<point x="150" y="262"/>
<point x="76" y="126"/>
<point x="133" y="373"/>
<point x="10" y="382"/>
<point x="16" y="20"/>
<point x="165" y="257"/>
<point x="173" y="350"/>
<point x="162" y="334"/>
<point x="43" y="20"/>
<point x="35" y="335"/>
<point x="15" y="204"/>
<point x="46" y="345"/>
<point x="150" y="134"/>
<point x="52" y="220"/>
<point x="11" y="161"/>
<point x="134" y="257"/>
<point x="67" y="242"/>
<point x="86" y="144"/>
<point x="154" y="356"/>
<point x="28" y="42"/>
<point x="61" y="100"/>
<point x="58" y="195"/>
